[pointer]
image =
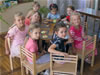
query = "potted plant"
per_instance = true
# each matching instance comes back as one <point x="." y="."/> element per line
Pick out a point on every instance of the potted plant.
<point x="44" y="11"/>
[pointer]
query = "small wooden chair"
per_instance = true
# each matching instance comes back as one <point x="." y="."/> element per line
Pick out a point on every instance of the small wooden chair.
<point x="34" y="68"/>
<point x="63" y="65"/>
<point x="10" y="57"/>
<point x="84" y="53"/>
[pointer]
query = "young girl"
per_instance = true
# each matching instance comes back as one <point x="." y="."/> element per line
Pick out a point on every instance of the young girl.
<point x="53" y="12"/>
<point x="69" y="10"/>
<point x="35" y="18"/>
<point x="77" y="33"/>
<point x="59" y="43"/>
<point x="31" y="45"/>
<point x="36" y="7"/>
<point x="17" y="35"/>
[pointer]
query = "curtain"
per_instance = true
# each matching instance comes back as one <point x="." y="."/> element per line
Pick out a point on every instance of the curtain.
<point x="62" y="4"/>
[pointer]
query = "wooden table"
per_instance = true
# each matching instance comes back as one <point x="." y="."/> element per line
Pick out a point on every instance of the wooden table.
<point x="49" y="30"/>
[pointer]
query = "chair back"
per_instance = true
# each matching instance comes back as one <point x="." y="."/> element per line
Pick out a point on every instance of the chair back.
<point x="87" y="43"/>
<point x="70" y="59"/>
<point x="27" y="54"/>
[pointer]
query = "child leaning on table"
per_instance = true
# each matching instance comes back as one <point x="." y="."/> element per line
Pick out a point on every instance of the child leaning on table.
<point x="17" y="35"/>
<point x="59" y="43"/>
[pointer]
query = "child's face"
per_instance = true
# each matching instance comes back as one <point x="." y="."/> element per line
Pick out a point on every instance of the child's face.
<point x="36" y="8"/>
<point x="62" y="32"/>
<point x="69" y="11"/>
<point x="76" y="20"/>
<point x="35" y="34"/>
<point x="35" y="18"/>
<point x="19" y="21"/>
<point x="54" y="11"/>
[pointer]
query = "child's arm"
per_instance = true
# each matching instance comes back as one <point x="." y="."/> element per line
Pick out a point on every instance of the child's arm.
<point x="29" y="14"/>
<point x="52" y="50"/>
<point x="7" y="50"/>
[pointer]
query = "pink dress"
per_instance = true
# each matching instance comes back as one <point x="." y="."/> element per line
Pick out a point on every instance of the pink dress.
<point x="76" y="34"/>
<point x="17" y="37"/>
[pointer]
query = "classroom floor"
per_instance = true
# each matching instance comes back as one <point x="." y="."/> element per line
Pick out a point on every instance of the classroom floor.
<point x="5" y="66"/>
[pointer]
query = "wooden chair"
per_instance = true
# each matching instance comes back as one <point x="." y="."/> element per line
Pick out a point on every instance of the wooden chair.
<point x="63" y="65"/>
<point x="84" y="53"/>
<point x="10" y="57"/>
<point x="34" y="68"/>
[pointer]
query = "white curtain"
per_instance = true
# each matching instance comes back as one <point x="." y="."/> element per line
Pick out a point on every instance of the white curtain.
<point x="62" y="4"/>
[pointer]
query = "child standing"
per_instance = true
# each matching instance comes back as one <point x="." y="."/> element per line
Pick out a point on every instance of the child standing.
<point x="77" y="33"/>
<point x="59" y="43"/>
<point x="53" y="12"/>
<point x="36" y="7"/>
<point x="31" y="45"/>
<point x="17" y="35"/>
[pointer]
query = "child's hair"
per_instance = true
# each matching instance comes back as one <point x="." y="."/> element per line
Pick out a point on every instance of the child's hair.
<point x="74" y="13"/>
<point x="71" y="7"/>
<point x="33" y="26"/>
<point x="39" y="15"/>
<point x="59" y="25"/>
<point x="53" y="6"/>
<point x="36" y="3"/>
<point x="19" y="14"/>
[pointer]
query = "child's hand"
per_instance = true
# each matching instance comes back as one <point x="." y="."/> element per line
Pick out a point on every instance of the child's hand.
<point x="63" y="54"/>
<point x="69" y="41"/>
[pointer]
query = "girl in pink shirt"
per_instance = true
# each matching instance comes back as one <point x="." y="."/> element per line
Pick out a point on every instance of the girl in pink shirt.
<point x="77" y="33"/>
<point x="17" y="35"/>
<point x="31" y="45"/>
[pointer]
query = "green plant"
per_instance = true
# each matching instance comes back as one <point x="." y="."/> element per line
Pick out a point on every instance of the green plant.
<point x="44" y="11"/>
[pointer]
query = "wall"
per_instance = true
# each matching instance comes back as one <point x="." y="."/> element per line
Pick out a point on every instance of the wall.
<point x="9" y="13"/>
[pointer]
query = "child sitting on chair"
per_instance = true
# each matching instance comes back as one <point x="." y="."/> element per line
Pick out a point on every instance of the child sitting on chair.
<point x="59" y="43"/>
<point x="32" y="46"/>
<point x="77" y="33"/>
<point x="17" y="35"/>
<point x="53" y="15"/>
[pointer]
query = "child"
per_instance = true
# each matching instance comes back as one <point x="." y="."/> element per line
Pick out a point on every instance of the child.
<point x="36" y="7"/>
<point x="76" y="32"/>
<point x="53" y="12"/>
<point x="17" y="35"/>
<point x="31" y="45"/>
<point x="70" y="9"/>
<point x="59" y="43"/>
<point x="35" y="18"/>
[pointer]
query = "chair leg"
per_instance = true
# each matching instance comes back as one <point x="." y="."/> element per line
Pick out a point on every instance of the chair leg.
<point x="22" y="71"/>
<point x="92" y="62"/>
<point x="82" y="66"/>
<point x="27" y="71"/>
<point x="11" y="62"/>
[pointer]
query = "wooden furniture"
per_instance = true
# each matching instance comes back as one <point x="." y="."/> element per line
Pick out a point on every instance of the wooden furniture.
<point x="84" y="53"/>
<point x="10" y="57"/>
<point x="33" y="68"/>
<point x="63" y="65"/>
